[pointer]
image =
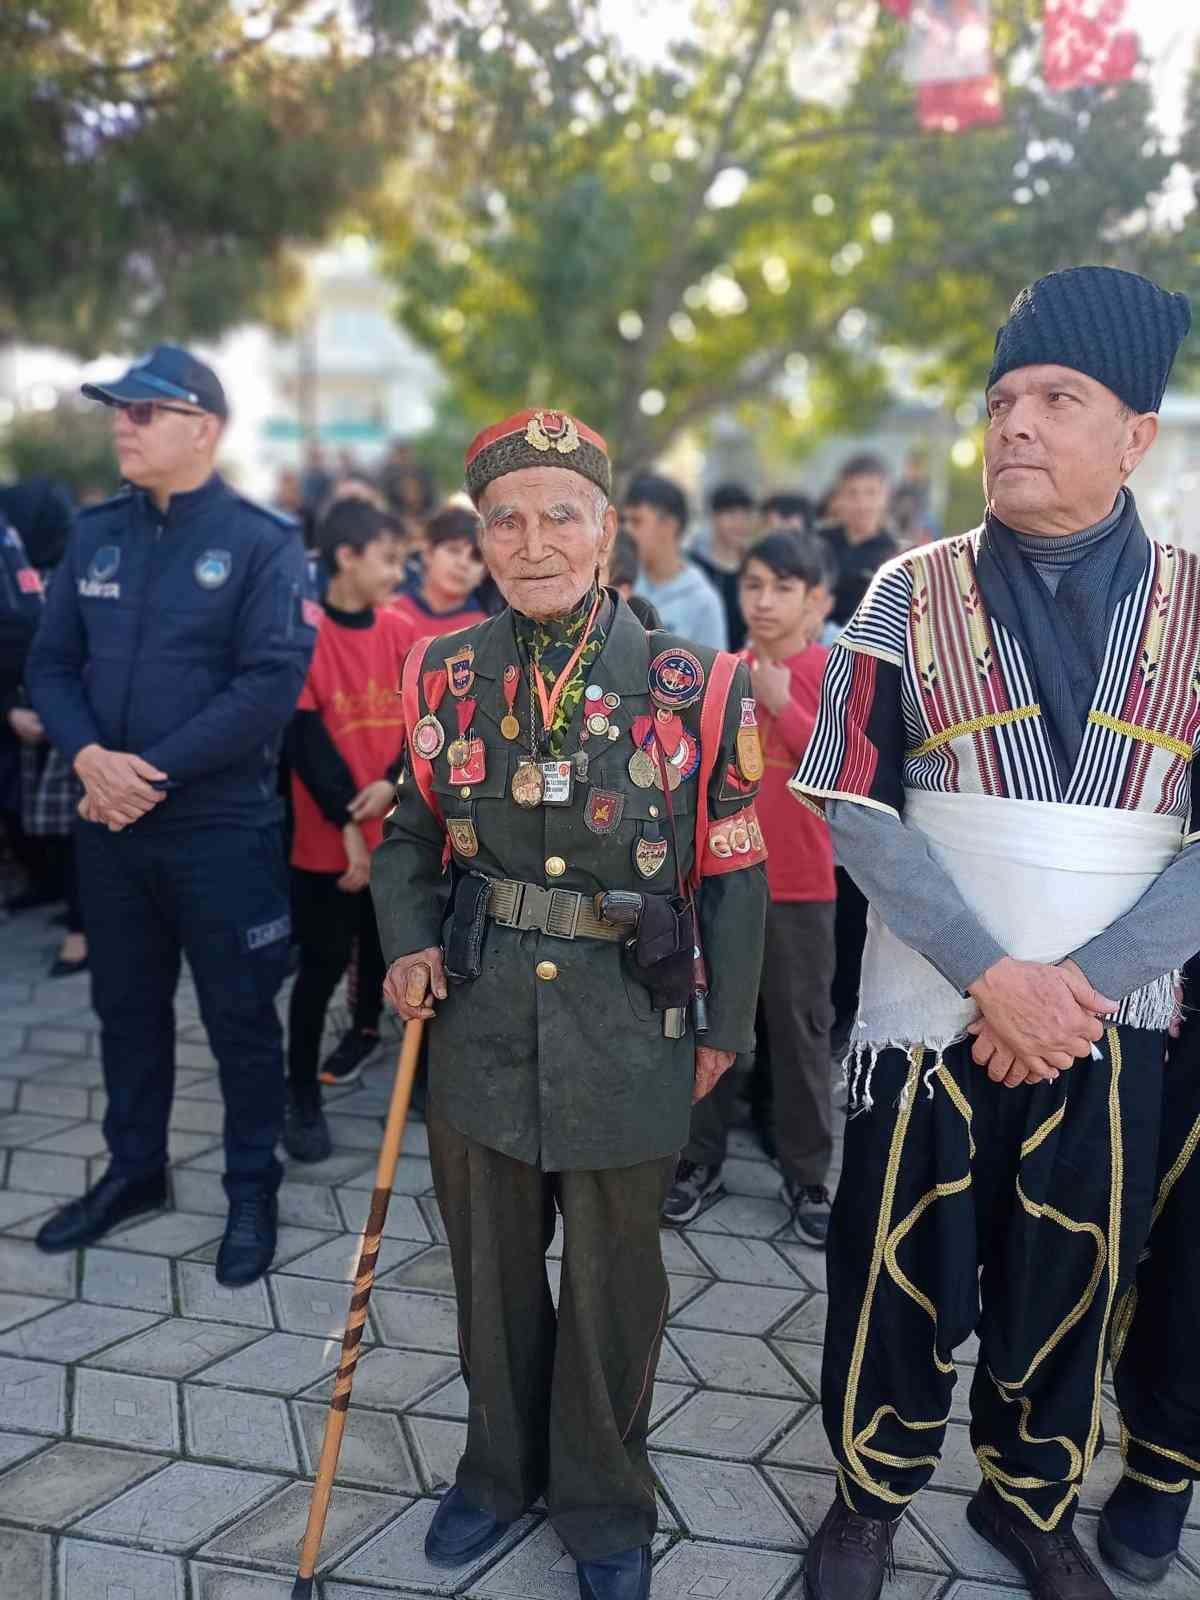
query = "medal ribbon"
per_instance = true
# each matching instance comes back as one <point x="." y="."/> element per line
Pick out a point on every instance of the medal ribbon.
<point x="466" y="714"/>
<point x="549" y="702"/>
<point x="434" y="685"/>
<point x="512" y="682"/>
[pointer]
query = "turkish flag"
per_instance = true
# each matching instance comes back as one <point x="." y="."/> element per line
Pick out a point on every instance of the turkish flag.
<point x="1085" y="42"/>
<point x="967" y="103"/>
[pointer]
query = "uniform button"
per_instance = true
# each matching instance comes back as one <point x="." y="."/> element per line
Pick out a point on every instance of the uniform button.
<point x="465" y="792"/>
<point x="555" y="867"/>
<point x="653" y="811"/>
<point x="547" y="971"/>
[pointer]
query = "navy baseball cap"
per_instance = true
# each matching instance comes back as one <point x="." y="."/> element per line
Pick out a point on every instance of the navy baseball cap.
<point x="169" y="372"/>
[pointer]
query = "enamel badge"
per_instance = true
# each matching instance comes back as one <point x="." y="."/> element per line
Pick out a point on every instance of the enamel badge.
<point x="463" y="836"/>
<point x="649" y="856"/>
<point x="428" y="737"/>
<point x="460" y="672"/>
<point x="749" y="754"/>
<point x="473" y="766"/>
<point x="675" y="679"/>
<point x="604" y="811"/>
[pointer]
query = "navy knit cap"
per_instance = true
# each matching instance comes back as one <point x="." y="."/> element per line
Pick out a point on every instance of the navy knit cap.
<point x="1116" y="327"/>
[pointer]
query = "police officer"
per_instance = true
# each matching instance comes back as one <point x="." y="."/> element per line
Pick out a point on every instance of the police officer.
<point x="172" y="651"/>
<point x="589" y="782"/>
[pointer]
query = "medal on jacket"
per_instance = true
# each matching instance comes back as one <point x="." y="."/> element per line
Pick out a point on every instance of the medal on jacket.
<point x="596" y="718"/>
<point x="457" y="752"/>
<point x="428" y="736"/>
<point x="460" y="674"/>
<point x="509" y="726"/>
<point x="649" y="854"/>
<point x="463" y="836"/>
<point x="675" y="679"/>
<point x="526" y="785"/>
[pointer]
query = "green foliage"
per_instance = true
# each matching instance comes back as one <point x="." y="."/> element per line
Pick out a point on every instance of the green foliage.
<point x="72" y="447"/>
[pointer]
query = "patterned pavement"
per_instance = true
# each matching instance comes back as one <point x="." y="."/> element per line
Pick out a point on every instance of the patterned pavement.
<point x="158" y="1433"/>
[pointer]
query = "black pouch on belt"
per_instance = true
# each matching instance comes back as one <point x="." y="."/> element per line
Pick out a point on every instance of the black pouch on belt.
<point x="464" y="928"/>
<point x="660" y="957"/>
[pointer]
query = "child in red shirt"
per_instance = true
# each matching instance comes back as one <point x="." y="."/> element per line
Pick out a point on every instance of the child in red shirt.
<point x="344" y="746"/>
<point x="777" y="587"/>
<point x="444" y="599"/>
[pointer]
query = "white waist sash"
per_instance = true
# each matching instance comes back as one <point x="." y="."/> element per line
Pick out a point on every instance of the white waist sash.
<point x="1042" y="877"/>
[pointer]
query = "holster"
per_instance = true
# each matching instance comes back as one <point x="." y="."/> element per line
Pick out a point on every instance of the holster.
<point x="464" y="928"/>
<point x="660" y="957"/>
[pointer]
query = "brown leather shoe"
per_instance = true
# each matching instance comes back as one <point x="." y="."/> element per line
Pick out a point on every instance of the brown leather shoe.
<point x="849" y="1557"/>
<point x="1054" y="1565"/>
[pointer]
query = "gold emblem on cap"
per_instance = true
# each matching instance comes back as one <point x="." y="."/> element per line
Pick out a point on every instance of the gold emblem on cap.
<point x="553" y="430"/>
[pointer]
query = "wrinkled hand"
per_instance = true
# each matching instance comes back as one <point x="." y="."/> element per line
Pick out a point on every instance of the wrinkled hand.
<point x="118" y="785"/>
<point x="414" y="982"/>
<point x="711" y="1067"/>
<point x="27" y="725"/>
<point x="1002" y="1066"/>
<point x="1040" y="1012"/>
<point x="373" y="801"/>
<point x="772" y="685"/>
<point x="358" y="874"/>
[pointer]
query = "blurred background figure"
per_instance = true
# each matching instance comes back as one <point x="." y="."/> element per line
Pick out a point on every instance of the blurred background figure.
<point x="718" y="550"/>
<point x="656" y="514"/>
<point x="787" y="511"/>
<point x="443" y="594"/>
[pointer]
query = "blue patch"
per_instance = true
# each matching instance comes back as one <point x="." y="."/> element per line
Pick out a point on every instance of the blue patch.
<point x="676" y="679"/>
<point x="213" y="568"/>
<point x="268" y="933"/>
<point x="104" y="563"/>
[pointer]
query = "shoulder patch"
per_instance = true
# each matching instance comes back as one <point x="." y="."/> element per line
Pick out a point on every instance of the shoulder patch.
<point x="281" y="519"/>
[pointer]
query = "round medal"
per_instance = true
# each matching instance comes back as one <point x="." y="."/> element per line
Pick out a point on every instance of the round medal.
<point x="528" y="785"/>
<point x="614" y="732"/>
<point x="672" y="774"/>
<point x="675" y="679"/>
<point x="458" y="752"/>
<point x="428" y="737"/>
<point x="593" y="692"/>
<point x="597" y="723"/>
<point x="642" y="770"/>
<point x="611" y="701"/>
<point x="509" y="726"/>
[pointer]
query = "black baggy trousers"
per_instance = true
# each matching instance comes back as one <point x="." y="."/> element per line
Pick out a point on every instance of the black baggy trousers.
<point x="1017" y="1213"/>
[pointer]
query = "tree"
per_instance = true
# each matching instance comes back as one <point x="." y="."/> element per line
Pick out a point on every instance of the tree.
<point x="648" y="243"/>
<point x="160" y="158"/>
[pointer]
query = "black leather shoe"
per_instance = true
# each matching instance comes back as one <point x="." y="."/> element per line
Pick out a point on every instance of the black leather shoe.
<point x="459" y="1533"/>
<point x="90" y="1217"/>
<point x="1140" y="1529"/>
<point x="625" y="1576"/>
<point x="305" y="1130"/>
<point x="248" y="1247"/>
<point x="1054" y="1565"/>
<point x="849" y="1557"/>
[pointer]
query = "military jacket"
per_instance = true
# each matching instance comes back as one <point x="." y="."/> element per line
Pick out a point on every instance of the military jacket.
<point x="570" y="1069"/>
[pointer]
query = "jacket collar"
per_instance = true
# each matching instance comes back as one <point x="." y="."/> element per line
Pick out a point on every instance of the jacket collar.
<point x="621" y="665"/>
<point x="191" y="503"/>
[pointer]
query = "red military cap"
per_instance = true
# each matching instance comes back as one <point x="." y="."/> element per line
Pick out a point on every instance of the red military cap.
<point x="537" y="439"/>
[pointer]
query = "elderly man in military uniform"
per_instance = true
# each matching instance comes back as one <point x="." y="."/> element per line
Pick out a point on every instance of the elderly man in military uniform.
<point x="571" y="888"/>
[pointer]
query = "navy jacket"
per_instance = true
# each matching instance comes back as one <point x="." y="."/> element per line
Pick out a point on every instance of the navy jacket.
<point x="20" y="610"/>
<point x="183" y="638"/>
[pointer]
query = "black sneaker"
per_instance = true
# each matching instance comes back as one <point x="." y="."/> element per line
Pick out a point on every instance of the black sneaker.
<point x="344" y="1064"/>
<point x="810" y="1205"/>
<point x="305" y="1131"/>
<point x="694" y="1184"/>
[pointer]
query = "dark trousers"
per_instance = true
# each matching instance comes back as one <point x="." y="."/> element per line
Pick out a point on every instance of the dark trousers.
<point x="1156" y="1336"/>
<point x="1016" y="1213"/>
<point x="219" y="896"/>
<point x="558" y="1404"/>
<point x="850" y="936"/>
<point x="796" y="1014"/>
<point x="327" y="922"/>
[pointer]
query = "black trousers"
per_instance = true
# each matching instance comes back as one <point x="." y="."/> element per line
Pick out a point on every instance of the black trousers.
<point x="850" y="935"/>
<point x="219" y="896"/>
<point x="1016" y="1213"/>
<point x="327" y="921"/>
<point x="559" y="1404"/>
<point x="1156" y="1336"/>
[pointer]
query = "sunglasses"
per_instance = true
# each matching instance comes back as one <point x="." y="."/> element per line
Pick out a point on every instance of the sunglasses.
<point x="142" y="412"/>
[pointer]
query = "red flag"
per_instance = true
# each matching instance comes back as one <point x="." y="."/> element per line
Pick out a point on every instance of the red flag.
<point x="1085" y="42"/>
<point x="898" y="8"/>
<point x="951" y="107"/>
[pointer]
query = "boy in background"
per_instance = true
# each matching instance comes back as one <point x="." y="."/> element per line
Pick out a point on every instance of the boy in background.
<point x="344" y="747"/>
<point x="443" y="598"/>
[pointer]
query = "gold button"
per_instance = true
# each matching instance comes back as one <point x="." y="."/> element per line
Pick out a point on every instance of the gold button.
<point x="555" y="867"/>
<point x="653" y="811"/>
<point x="547" y="971"/>
<point x="465" y="793"/>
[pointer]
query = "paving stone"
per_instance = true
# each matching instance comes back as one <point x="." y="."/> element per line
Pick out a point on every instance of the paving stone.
<point x="33" y="1395"/>
<point x="737" y="1308"/>
<point x="16" y="1446"/>
<point x="393" y="1380"/>
<point x="433" y="1220"/>
<point x="802" y="1359"/>
<point x="282" y="1363"/>
<point x="336" y="1169"/>
<point x="666" y="1399"/>
<point x="809" y="1496"/>
<point x="451" y="1401"/>
<point x="808" y="1323"/>
<point x="29" y="1065"/>
<point x="62" y="1177"/>
<point x="745" y="1216"/>
<point x="85" y="1139"/>
<point x="682" y="1288"/>
<point x="83" y="1074"/>
<point x="198" y="1191"/>
<point x="26" y="1566"/>
<point x="55" y="1100"/>
<point x="251" y="1430"/>
<point x="672" y="1368"/>
<point x="729" y="1361"/>
<point x="124" y="1408"/>
<point x="725" y="1500"/>
<point x="1179" y="1583"/>
<point x="309" y="1205"/>
<point x="416" y="1321"/>
<point x="88" y="1570"/>
<point x="173" y="1233"/>
<point x="404" y="1218"/>
<point x="23" y="1127"/>
<point x="74" y="1331"/>
<point x="8" y="1093"/>
<point x="758" y="1178"/>
<point x="229" y="1583"/>
<point x="809" y="1263"/>
<point x="430" y="1271"/>
<point x="678" y="1255"/>
<point x="693" y="1571"/>
<point x="438" y="1446"/>
<point x="539" y="1568"/>
<point x="270" y="1535"/>
<point x="197" y="1116"/>
<point x="121" y="1278"/>
<point x="69" y="1479"/>
<point x="745" y="1261"/>
<point x="17" y="1308"/>
<point x="337" y="1259"/>
<point x="61" y="1041"/>
<point x="805" y="1446"/>
<point x="182" y="1505"/>
<point x="730" y="1427"/>
<point x="175" y="1349"/>
<point x="200" y="1295"/>
<point x="943" y="1519"/>
<point x="958" y="1468"/>
<point x="397" y="1555"/>
<point x="981" y="1591"/>
<point x="374" y="1453"/>
<point x="1101" y="1480"/>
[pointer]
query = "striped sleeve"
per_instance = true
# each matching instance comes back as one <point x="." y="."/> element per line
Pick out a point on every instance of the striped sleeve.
<point x="857" y="748"/>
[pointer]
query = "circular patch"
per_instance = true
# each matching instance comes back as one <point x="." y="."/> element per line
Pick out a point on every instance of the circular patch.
<point x="686" y="759"/>
<point x="213" y="568"/>
<point x="104" y="563"/>
<point x="593" y="692"/>
<point x="428" y="737"/>
<point x="597" y="723"/>
<point x="612" y="701"/>
<point x="675" y="679"/>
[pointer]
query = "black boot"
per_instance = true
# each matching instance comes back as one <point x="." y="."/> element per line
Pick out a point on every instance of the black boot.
<point x="112" y="1200"/>
<point x="305" y="1131"/>
<point x="248" y="1247"/>
<point x="1140" y="1529"/>
<point x="849" y="1557"/>
<point x="1054" y="1565"/>
<point x="459" y="1532"/>
<point x="624" y="1576"/>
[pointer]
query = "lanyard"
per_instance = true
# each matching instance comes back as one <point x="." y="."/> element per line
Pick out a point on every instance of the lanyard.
<point x="549" y="702"/>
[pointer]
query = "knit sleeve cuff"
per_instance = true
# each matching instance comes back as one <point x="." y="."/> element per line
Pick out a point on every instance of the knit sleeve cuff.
<point x="962" y="950"/>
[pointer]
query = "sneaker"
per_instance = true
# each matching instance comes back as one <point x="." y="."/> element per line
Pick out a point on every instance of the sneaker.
<point x="694" y="1184"/>
<point x="345" y="1063"/>
<point x="1055" y="1565"/>
<point x="305" y="1131"/>
<point x="810" y="1205"/>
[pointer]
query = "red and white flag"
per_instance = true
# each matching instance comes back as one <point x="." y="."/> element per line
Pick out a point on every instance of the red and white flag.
<point x="1087" y="42"/>
<point x="951" y="107"/>
<point x="949" y="58"/>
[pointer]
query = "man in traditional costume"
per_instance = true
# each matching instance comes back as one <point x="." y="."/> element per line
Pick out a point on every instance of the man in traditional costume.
<point x="1004" y="753"/>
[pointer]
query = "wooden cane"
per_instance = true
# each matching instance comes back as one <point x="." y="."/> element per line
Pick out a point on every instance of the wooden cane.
<point x="364" y="1282"/>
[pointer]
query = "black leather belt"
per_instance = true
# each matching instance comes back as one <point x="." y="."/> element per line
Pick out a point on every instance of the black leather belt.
<point x="560" y="912"/>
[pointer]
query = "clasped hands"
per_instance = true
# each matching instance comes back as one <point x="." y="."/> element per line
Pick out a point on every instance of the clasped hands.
<point x="1035" y="1020"/>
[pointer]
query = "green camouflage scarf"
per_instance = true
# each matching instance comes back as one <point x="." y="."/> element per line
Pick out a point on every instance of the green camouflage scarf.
<point x="550" y="645"/>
